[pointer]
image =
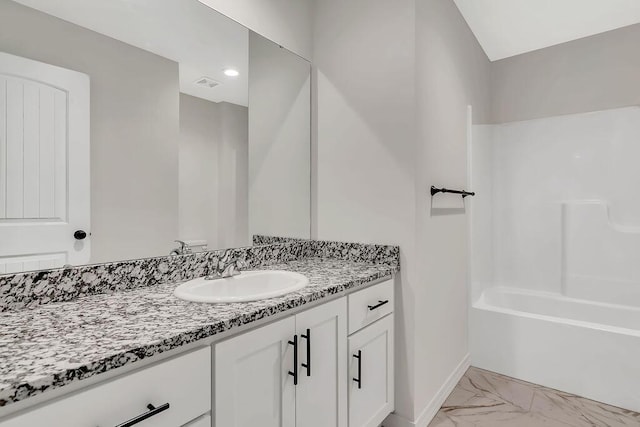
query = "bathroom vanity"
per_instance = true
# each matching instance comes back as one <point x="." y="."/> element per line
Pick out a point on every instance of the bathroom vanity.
<point x="320" y="356"/>
<point x="308" y="369"/>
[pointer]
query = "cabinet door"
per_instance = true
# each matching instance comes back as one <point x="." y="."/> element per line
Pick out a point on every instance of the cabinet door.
<point x="252" y="384"/>
<point x="371" y="374"/>
<point x="204" y="421"/>
<point x="321" y="395"/>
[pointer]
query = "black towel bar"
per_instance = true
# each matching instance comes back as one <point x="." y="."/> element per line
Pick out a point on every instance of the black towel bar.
<point x="463" y="193"/>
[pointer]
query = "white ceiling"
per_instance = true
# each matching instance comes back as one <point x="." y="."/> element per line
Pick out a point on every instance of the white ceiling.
<point x="510" y="27"/>
<point x="201" y="40"/>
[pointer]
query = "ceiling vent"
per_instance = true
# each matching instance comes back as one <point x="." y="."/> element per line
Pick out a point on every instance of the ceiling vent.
<point x="207" y="82"/>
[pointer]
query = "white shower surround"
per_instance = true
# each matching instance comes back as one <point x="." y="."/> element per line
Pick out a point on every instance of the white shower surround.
<point x="555" y="252"/>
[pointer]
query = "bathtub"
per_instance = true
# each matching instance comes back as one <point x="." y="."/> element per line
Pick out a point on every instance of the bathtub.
<point x="582" y="347"/>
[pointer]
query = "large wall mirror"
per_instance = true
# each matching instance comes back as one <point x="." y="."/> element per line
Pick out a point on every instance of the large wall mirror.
<point x="126" y="125"/>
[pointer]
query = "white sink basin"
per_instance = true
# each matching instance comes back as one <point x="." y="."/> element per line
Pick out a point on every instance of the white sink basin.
<point x="248" y="286"/>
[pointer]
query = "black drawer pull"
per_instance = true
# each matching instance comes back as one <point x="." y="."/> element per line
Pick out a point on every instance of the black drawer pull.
<point x="152" y="411"/>
<point x="294" y="374"/>
<point x="359" y="379"/>
<point x="307" y="365"/>
<point x="380" y="304"/>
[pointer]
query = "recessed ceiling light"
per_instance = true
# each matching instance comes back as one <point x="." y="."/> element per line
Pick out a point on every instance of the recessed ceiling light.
<point x="230" y="72"/>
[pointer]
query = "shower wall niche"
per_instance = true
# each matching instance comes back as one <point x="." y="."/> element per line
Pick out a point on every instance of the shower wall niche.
<point x="559" y="206"/>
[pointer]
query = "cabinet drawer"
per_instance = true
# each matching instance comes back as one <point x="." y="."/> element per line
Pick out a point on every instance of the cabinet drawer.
<point x="368" y="305"/>
<point x="183" y="382"/>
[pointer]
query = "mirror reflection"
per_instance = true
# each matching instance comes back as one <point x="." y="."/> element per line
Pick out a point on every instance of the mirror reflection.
<point x="126" y="126"/>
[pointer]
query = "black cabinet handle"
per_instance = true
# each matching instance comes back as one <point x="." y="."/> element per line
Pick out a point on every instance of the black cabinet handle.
<point x="294" y="374"/>
<point x="80" y="235"/>
<point x="307" y="365"/>
<point x="152" y="411"/>
<point x="380" y="304"/>
<point x="359" y="379"/>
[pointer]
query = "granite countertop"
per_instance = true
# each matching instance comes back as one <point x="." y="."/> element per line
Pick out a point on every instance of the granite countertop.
<point x="60" y="343"/>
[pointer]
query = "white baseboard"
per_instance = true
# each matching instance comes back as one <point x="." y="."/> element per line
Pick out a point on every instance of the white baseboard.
<point x="434" y="405"/>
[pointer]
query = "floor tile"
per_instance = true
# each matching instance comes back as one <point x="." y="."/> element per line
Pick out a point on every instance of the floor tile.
<point x="488" y="399"/>
<point x="458" y="397"/>
<point x="489" y="384"/>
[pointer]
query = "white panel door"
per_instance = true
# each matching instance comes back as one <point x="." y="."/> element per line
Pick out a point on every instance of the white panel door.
<point x="252" y="382"/>
<point x="321" y="395"/>
<point x="371" y="374"/>
<point x="44" y="165"/>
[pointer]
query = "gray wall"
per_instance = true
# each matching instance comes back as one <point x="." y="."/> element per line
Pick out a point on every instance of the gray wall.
<point x="393" y="83"/>
<point x="453" y="72"/>
<point x="594" y="73"/>
<point x="200" y="131"/>
<point x="134" y="129"/>
<point x="233" y="176"/>
<point x="279" y="140"/>
<point x="213" y="172"/>
<point x="364" y="59"/>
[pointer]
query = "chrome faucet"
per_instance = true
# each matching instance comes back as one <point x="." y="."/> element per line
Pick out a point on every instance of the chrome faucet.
<point x="230" y="270"/>
<point x="184" y="248"/>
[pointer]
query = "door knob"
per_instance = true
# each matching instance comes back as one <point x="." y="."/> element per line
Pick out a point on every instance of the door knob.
<point x="80" y="235"/>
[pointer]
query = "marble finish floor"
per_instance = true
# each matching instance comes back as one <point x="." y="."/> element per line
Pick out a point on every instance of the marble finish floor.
<point x="487" y="399"/>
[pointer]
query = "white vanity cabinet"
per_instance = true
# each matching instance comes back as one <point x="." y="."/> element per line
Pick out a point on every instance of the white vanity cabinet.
<point x="289" y="373"/>
<point x="306" y="371"/>
<point x="371" y="385"/>
<point x="179" y="389"/>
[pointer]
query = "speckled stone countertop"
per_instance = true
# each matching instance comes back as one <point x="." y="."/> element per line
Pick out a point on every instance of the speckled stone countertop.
<point x="56" y="344"/>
